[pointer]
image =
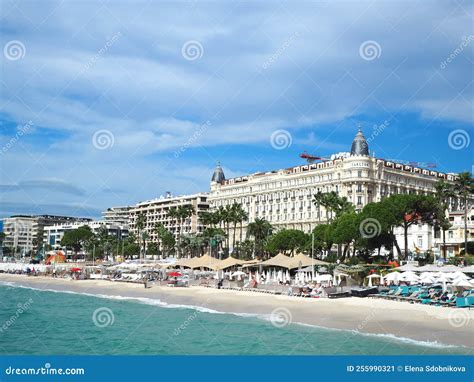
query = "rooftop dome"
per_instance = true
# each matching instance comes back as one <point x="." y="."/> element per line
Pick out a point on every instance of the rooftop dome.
<point x="360" y="145"/>
<point x="218" y="175"/>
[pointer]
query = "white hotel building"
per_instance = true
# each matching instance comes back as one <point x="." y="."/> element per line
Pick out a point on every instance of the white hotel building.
<point x="284" y="197"/>
<point x="156" y="211"/>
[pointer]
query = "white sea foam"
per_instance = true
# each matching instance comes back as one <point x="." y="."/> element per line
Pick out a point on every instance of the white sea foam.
<point x="265" y="317"/>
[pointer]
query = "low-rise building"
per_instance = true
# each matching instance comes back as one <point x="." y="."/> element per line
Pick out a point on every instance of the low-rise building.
<point x="454" y="236"/>
<point x="53" y="234"/>
<point x="23" y="233"/>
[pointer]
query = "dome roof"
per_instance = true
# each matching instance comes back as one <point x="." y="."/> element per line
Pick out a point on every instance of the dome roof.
<point x="218" y="175"/>
<point x="360" y="145"/>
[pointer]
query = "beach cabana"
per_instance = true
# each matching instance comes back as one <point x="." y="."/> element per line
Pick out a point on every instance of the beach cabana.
<point x="279" y="260"/>
<point x="300" y="260"/>
<point x="227" y="263"/>
<point x="204" y="261"/>
<point x="372" y="277"/>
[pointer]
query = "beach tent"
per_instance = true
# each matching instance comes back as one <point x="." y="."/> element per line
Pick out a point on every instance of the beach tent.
<point x="58" y="257"/>
<point x="372" y="277"/>
<point x="301" y="260"/>
<point x="227" y="263"/>
<point x="279" y="260"/>
<point x="204" y="261"/>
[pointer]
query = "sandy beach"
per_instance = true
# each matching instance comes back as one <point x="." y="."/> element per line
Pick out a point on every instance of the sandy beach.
<point x="418" y="322"/>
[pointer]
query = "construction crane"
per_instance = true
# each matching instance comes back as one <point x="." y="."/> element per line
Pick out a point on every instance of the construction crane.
<point x="311" y="158"/>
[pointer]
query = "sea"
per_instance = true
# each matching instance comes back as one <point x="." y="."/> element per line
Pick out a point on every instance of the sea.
<point x="39" y="322"/>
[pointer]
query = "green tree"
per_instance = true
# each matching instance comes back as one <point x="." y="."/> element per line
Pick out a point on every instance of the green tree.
<point x="166" y="238"/>
<point x="260" y="230"/>
<point x="77" y="238"/>
<point x="346" y="231"/>
<point x="153" y="249"/>
<point x="140" y="224"/>
<point x="287" y="241"/>
<point x="408" y="209"/>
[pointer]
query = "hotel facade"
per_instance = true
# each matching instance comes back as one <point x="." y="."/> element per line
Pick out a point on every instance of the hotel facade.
<point x="285" y="197"/>
<point x="156" y="212"/>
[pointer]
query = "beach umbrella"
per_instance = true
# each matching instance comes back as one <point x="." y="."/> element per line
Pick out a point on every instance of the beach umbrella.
<point x="409" y="277"/>
<point x="238" y="274"/>
<point x="463" y="283"/>
<point x="393" y="277"/>
<point x="458" y="275"/>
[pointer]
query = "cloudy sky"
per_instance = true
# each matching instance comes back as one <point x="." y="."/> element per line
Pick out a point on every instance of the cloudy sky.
<point x="107" y="103"/>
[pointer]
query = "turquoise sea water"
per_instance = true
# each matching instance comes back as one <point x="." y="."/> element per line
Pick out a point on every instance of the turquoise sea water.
<point x="37" y="322"/>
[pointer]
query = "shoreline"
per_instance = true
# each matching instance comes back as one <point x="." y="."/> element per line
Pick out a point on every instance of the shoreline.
<point x="430" y="325"/>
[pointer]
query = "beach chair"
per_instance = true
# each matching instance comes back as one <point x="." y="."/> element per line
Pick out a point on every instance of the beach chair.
<point x="465" y="302"/>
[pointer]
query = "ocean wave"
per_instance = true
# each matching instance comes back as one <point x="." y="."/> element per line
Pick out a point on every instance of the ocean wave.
<point x="261" y="316"/>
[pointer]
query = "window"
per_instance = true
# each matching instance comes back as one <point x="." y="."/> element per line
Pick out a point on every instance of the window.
<point x="450" y="234"/>
<point x="359" y="174"/>
<point x="359" y="200"/>
<point x="420" y="241"/>
<point x="359" y="188"/>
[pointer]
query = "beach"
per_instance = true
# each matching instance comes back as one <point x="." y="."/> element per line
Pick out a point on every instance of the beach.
<point x="430" y="324"/>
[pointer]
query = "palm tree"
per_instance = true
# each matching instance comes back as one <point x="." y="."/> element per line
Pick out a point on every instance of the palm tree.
<point x="140" y="225"/>
<point x="180" y="214"/>
<point x="326" y="200"/>
<point x="260" y="229"/>
<point x="464" y="187"/>
<point x="243" y="216"/>
<point x="226" y="216"/>
<point x="444" y="191"/>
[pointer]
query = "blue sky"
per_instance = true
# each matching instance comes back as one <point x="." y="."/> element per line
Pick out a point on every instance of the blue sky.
<point x="128" y="100"/>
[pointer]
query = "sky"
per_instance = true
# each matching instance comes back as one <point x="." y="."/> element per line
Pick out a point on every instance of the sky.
<point x="108" y="103"/>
